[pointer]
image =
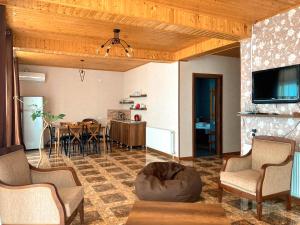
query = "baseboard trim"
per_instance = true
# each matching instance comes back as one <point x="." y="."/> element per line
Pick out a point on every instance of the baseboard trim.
<point x="159" y="152"/>
<point x="188" y="158"/>
<point x="296" y="200"/>
<point x="231" y="153"/>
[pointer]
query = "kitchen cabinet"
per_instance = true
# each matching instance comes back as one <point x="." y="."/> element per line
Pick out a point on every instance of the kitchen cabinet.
<point x="129" y="133"/>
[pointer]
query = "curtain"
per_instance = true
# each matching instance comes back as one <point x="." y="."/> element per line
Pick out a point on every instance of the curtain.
<point x="2" y="77"/>
<point x="10" y="118"/>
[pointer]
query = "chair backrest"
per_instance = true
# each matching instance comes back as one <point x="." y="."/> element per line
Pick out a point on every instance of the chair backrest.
<point x="14" y="167"/>
<point x="89" y="120"/>
<point x="93" y="130"/>
<point x="76" y="131"/>
<point x="268" y="149"/>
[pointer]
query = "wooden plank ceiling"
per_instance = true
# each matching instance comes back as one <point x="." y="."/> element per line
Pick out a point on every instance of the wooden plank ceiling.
<point x="61" y="32"/>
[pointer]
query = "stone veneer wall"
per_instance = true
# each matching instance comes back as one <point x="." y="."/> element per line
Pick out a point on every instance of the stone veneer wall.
<point x="275" y="42"/>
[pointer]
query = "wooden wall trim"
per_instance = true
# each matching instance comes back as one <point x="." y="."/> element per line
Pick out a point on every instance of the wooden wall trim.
<point x="210" y="46"/>
<point x="2" y="78"/>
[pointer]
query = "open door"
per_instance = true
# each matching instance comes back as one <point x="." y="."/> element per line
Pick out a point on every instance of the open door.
<point x="207" y="115"/>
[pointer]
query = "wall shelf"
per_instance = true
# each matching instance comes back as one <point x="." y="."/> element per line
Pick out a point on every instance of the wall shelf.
<point x="126" y="102"/>
<point x="138" y="96"/>
<point x="268" y="115"/>
<point x="138" y="109"/>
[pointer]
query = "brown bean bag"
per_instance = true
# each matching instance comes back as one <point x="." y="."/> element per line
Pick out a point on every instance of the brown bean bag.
<point x="168" y="181"/>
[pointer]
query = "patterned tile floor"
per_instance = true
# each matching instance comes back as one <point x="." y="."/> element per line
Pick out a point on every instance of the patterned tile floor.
<point x="108" y="181"/>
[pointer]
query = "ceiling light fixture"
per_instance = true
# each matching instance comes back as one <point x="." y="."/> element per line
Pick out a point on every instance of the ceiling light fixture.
<point x="116" y="41"/>
<point x="82" y="71"/>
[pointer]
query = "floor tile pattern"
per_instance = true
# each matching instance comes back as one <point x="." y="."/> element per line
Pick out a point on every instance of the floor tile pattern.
<point x="108" y="181"/>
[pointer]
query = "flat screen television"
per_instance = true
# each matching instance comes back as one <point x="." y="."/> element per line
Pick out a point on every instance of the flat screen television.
<point x="279" y="85"/>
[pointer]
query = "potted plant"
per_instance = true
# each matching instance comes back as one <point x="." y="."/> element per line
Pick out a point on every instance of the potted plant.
<point x="48" y="120"/>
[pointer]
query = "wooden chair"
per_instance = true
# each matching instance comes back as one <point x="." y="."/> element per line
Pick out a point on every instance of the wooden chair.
<point x="264" y="173"/>
<point x="52" y="139"/>
<point x="94" y="135"/>
<point x="108" y="139"/>
<point x="89" y="120"/>
<point x="75" y="133"/>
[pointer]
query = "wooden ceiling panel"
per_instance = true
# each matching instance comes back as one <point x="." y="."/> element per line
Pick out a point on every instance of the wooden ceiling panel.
<point x="41" y="24"/>
<point x="33" y="58"/>
<point x="233" y="52"/>
<point x="158" y="30"/>
<point x="248" y="11"/>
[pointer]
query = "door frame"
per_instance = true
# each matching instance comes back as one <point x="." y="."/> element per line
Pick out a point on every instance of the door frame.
<point x="219" y="110"/>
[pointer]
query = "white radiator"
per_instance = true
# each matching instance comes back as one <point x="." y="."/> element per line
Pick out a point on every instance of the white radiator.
<point x="161" y="139"/>
<point x="295" y="189"/>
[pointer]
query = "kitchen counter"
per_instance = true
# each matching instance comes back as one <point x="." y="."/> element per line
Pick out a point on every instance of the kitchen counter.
<point x="128" y="132"/>
<point x="129" y="121"/>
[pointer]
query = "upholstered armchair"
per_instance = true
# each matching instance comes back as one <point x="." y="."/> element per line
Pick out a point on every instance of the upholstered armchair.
<point x="37" y="196"/>
<point x="264" y="173"/>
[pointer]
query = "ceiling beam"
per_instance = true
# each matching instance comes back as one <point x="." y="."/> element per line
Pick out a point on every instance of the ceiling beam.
<point x="210" y="46"/>
<point x="84" y="49"/>
<point x="144" y="14"/>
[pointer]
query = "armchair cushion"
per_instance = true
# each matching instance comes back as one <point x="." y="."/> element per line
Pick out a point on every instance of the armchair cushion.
<point x="244" y="180"/>
<point x="267" y="151"/>
<point x="238" y="163"/>
<point x="29" y="204"/>
<point x="277" y="179"/>
<point x="61" y="178"/>
<point x="71" y="197"/>
<point x="12" y="173"/>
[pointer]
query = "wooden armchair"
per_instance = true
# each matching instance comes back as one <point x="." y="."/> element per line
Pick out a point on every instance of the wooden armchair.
<point x="37" y="196"/>
<point x="264" y="173"/>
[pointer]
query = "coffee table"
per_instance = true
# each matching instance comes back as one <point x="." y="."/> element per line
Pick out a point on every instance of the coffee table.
<point x="171" y="213"/>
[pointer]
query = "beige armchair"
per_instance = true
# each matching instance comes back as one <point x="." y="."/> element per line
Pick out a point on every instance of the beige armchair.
<point x="264" y="173"/>
<point x="37" y="196"/>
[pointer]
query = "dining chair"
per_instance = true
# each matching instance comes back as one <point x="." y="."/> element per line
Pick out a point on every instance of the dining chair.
<point x="89" y="120"/>
<point x="108" y="137"/>
<point x="94" y="135"/>
<point x="75" y="137"/>
<point x="52" y="139"/>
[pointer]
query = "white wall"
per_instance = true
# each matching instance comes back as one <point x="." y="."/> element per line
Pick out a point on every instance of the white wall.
<point x="230" y="68"/>
<point x="65" y="93"/>
<point x="160" y="82"/>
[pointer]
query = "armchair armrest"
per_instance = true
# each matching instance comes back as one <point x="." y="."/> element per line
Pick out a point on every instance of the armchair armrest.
<point x="276" y="177"/>
<point x="30" y="204"/>
<point x="237" y="163"/>
<point x="60" y="177"/>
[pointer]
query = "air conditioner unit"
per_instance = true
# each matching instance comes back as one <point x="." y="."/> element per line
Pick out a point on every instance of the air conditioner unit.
<point x="32" y="76"/>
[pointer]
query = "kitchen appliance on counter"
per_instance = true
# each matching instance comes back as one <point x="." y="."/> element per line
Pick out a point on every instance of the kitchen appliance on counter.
<point x="137" y="117"/>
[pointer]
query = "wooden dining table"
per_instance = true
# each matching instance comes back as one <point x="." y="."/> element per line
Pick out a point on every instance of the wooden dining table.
<point x="63" y="129"/>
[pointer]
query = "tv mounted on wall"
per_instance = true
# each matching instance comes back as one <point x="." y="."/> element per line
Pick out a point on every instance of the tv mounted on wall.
<point x="278" y="85"/>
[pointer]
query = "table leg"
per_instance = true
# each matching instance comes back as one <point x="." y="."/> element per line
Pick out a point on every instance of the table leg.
<point x="58" y="141"/>
<point x="104" y="137"/>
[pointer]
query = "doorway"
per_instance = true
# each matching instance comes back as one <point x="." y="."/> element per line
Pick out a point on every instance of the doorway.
<point x="207" y="115"/>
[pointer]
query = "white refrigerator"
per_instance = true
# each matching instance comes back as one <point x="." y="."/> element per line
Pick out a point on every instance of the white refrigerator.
<point x="31" y="129"/>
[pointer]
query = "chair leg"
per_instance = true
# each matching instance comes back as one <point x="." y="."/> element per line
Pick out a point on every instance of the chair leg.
<point x="50" y="149"/>
<point x="288" y="202"/>
<point x="259" y="210"/>
<point x="81" y="212"/>
<point x="220" y="194"/>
